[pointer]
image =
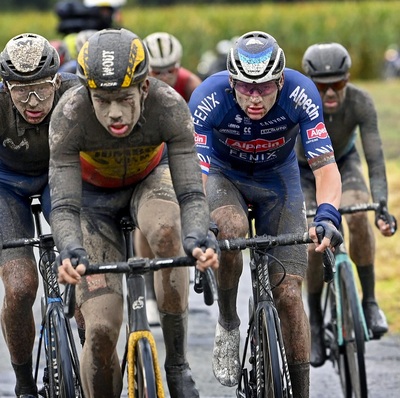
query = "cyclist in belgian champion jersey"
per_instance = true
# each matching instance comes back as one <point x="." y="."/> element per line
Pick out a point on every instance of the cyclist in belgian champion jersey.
<point x="243" y="120"/>
<point x="29" y="91"/>
<point x="124" y="142"/>
<point x="346" y="109"/>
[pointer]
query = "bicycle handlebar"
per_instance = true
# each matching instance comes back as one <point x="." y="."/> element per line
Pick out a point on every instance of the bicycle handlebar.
<point x="144" y="265"/>
<point x="15" y="243"/>
<point x="265" y="242"/>
<point x="356" y="208"/>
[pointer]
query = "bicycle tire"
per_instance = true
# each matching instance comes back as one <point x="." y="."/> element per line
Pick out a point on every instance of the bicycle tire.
<point x="272" y="382"/>
<point x="60" y="368"/>
<point x="142" y="378"/>
<point x="352" y="361"/>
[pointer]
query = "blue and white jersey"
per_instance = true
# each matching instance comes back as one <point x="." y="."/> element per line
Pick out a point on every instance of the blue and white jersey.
<point x="227" y="137"/>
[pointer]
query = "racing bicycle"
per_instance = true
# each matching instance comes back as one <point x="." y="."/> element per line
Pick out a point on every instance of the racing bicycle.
<point x="140" y="359"/>
<point x="61" y="377"/>
<point x="265" y="372"/>
<point x="345" y="328"/>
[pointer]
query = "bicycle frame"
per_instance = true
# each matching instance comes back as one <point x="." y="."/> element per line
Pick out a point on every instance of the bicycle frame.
<point x="53" y="317"/>
<point x="61" y="377"/>
<point x="138" y="325"/>
<point x="346" y="331"/>
<point x="262" y="305"/>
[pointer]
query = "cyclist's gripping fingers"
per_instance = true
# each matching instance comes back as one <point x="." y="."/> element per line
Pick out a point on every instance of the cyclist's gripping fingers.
<point x="73" y="260"/>
<point x="331" y="236"/>
<point x="205" y="259"/>
<point x="386" y="228"/>
<point x="67" y="273"/>
<point x="204" y="249"/>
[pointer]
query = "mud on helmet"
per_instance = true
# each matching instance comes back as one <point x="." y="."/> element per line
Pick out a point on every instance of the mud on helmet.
<point x="256" y="58"/>
<point x="28" y="57"/>
<point x="164" y="49"/>
<point x="113" y="58"/>
<point x="326" y="62"/>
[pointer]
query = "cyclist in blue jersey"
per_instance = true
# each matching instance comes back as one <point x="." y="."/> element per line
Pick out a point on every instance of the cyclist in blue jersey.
<point x="30" y="89"/>
<point x="245" y="121"/>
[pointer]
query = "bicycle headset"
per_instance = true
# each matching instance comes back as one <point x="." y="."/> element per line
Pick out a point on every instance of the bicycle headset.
<point x="113" y="58"/>
<point x="326" y="62"/>
<point x="256" y="58"/>
<point x="164" y="49"/>
<point x="28" y="57"/>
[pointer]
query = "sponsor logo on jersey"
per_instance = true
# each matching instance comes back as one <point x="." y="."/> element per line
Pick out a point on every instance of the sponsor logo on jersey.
<point x="317" y="132"/>
<point x="205" y="107"/>
<point x="233" y="126"/>
<point x="200" y="139"/>
<point x="238" y="118"/>
<point x="229" y="131"/>
<point x="258" y="145"/>
<point x="273" y="121"/>
<point x="300" y="98"/>
<point x="253" y="157"/>
<point x="274" y="129"/>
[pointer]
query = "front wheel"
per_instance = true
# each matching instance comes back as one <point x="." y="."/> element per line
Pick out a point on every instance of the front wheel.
<point x="273" y="379"/>
<point x="352" y="362"/>
<point x="144" y="377"/>
<point x="60" y="367"/>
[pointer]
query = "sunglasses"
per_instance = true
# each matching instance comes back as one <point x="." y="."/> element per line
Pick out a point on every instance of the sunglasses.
<point x="251" y="88"/>
<point x="335" y="86"/>
<point x="42" y="91"/>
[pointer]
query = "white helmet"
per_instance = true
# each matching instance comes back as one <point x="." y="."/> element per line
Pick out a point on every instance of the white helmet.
<point x="104" y="3"/>
<point x="165" y="50"/>
<point x="256" y="58"/>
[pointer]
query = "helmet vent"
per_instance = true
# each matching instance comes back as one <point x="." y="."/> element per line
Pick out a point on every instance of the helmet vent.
<point x="41" y="65"/>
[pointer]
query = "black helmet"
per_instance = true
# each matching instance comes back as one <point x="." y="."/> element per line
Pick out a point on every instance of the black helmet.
<point x="326" y="62"/>
<point x="256" y="58"/>
<point x="28" y="57"/>
<point x="113" y="58"/>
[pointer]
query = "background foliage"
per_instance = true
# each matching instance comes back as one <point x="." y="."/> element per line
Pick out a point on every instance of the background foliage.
<point x="365" y="28"/>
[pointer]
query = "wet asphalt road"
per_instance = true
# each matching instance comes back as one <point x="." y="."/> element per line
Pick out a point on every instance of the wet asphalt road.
<point x="382" y="357"/>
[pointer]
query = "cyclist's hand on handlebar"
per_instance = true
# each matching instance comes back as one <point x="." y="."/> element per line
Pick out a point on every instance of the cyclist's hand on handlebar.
<point x="331" y="236"/>
<point x="206" y="259"/>
<point x="385" y="221"/>
<point x="205" y="251"/>
<point x="72" y="264"/>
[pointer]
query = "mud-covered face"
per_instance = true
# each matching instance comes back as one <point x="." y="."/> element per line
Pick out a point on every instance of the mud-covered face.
<point x="256" y="100"/>
<point x="119" y="110"/>
<point x="332" y="95"/>
<point x="34" y="100"/>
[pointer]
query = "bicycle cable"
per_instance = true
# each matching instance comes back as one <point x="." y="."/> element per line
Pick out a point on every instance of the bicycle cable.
<point x="279" y="262"/>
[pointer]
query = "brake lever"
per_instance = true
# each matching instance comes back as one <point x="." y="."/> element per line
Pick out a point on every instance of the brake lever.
<point x="328" y="258"/>
<point x="206" y="283"/>
<point x="69" y="300"/>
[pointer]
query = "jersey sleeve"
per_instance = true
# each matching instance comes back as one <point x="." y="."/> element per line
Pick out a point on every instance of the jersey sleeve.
<point x="203" y="107"/>
<point x="317" y="144"/>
